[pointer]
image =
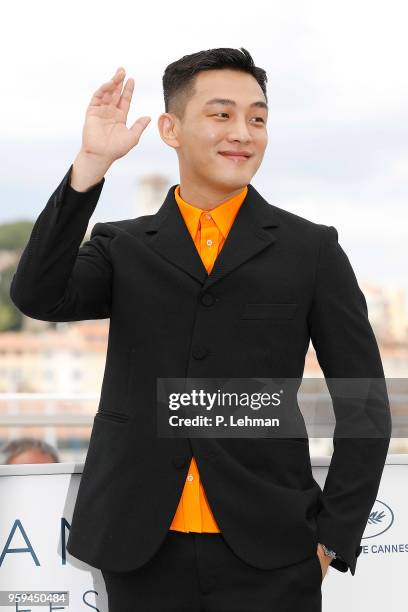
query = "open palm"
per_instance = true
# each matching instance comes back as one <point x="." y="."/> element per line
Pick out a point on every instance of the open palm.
<point x="105" y="133"/>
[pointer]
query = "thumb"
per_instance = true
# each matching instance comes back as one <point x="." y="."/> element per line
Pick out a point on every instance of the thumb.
<point x="139" y="125"/>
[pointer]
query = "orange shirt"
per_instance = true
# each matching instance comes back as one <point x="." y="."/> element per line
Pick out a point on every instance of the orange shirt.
<point x="208" y="229"/>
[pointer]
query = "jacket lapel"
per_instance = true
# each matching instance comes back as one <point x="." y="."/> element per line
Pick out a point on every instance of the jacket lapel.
<point x="251" y="232"/>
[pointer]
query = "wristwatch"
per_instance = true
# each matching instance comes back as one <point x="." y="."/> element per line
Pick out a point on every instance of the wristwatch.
<point x="329" y="553"/>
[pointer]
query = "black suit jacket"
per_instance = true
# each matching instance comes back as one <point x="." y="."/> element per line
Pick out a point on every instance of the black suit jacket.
<point x="169" y="318"/>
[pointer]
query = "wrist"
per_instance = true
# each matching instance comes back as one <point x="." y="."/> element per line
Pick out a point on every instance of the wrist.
<point x="87" y="171"/>
<point x="327" y="553"/>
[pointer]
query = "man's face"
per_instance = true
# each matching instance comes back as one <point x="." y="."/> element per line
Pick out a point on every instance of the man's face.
<point x="209" y="128"/>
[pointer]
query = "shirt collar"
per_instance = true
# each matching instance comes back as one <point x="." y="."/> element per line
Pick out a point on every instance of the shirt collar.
<point x="223" y="215"/>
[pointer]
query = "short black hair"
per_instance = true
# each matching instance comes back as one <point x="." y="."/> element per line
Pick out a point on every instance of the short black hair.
<point x="179" y="76"/>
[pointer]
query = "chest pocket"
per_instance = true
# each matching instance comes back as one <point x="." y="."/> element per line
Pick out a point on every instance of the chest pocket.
<point x="269" y="311"/>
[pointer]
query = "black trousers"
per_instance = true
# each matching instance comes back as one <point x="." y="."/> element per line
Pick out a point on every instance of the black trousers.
<point x="198" y="572"/>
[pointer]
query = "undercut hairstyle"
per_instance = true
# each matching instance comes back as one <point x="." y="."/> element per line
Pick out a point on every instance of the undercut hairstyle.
<point x="179" y="76"/>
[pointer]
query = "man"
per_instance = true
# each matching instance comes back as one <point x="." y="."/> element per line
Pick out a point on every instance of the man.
<point x="218" y="284"/>
<point x="28" y="450"/>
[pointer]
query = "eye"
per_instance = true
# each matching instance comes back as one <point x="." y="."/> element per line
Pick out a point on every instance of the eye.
<point x="216" y="115"/>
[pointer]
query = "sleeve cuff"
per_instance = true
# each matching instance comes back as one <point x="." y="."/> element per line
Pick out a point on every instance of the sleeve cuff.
<point x="66" y="193"/>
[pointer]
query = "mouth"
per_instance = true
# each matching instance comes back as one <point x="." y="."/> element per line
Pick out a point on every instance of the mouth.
<point x="236" y="157"/>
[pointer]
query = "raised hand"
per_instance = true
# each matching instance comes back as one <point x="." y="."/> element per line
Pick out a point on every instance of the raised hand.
<point x="105" y="136"/>
<point x="105" y="133"/>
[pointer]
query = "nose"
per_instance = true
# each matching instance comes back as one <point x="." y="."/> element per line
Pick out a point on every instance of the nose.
<point x="239" y="131"/>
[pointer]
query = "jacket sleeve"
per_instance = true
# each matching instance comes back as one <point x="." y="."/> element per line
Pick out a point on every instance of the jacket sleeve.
<point x="348" y="354"/>
<point x="56" y="278"/>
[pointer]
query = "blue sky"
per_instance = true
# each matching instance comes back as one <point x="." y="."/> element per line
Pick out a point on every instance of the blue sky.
<point x="337" y="91"/>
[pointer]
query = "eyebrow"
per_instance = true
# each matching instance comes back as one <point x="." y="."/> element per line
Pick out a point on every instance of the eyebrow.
<point x="228" y="102"/>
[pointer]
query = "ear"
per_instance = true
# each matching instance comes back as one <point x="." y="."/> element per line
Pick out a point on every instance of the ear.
<point x="168" y="128"/>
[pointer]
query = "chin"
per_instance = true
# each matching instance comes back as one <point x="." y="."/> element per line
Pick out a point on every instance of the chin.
<point x="232" y="183"/>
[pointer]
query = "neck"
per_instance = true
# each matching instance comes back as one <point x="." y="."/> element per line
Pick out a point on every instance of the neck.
<point x="205" y="198"/>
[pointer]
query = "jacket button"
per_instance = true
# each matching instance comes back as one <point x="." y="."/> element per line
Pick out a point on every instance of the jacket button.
<point x="207" y="299"/>
<point x="199" y="352"/>
<point x="179" y="462"/>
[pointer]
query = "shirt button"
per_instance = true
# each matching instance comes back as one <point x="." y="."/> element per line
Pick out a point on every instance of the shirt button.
<point x="190" y="477"/>
<point x="209" y="242"/>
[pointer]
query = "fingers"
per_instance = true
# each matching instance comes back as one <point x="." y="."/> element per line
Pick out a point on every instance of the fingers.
<point x="115" y="84"/>
<point x="139" y="126"/>
<point x="126" y="97"/>
<point x="117" y="89"/>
